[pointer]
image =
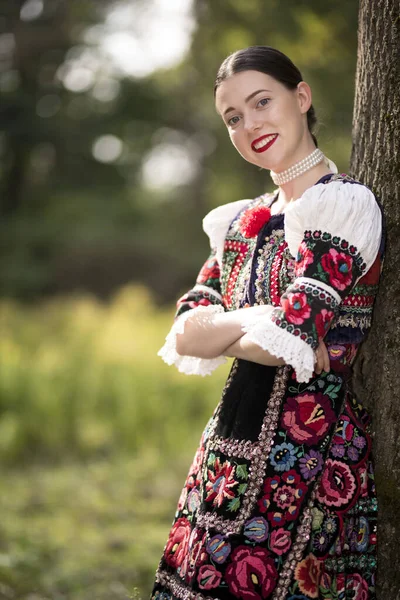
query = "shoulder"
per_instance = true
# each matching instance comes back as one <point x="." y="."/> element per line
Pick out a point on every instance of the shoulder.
<point x="224" y="214"/>
<point x="217" y="222"/>
<point x="339" y="192"/>
<point x="221" y="217"/>
<point x="341" y="207"/>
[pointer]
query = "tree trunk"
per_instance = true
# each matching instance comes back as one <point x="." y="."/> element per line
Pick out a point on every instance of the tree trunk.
<point x="375" y="162"/>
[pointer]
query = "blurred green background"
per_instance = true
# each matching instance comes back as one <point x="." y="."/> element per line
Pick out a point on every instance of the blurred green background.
<point x="110" y="155"/>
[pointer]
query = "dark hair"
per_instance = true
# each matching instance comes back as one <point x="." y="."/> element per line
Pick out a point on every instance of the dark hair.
<point x="271" y="62"/>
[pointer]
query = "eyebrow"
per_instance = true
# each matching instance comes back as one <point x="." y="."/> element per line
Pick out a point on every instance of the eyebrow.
<point x="246" y="99"/>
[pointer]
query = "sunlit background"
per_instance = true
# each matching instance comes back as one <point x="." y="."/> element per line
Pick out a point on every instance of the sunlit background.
<point x="111" y="152"/>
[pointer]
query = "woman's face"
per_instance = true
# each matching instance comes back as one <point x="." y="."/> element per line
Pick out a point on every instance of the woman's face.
<point x="266" y="121"/>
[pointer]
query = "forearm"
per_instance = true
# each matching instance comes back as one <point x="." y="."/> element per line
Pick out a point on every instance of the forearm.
<point x="209" y="335"/>
<point x="247" y="350"/>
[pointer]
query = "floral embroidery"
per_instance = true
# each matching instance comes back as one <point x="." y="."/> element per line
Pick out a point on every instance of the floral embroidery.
<point x="296" y="307"/>
<point x="218" y="549"/>
<point x="326" y="269"/>
<point x="252" y="574"/>
<point x="282" y="497"/>
<point x="195" y="556"/>
<point x="355" y="584"/>
<point x="220" y="483"/>
<point x="283" y="457"/>
<point x="337" y="485"/>
<point x="308" y="417"/>
<point x="305" y="257"/>
<point x="207" y="290"/>
<point x="177" y="544"/>
<point x="311" y="464"/>
<point x="307" y="575"/>
<point x="323" y="321"/>
<point x="256" y="529"/>
<point x="285" y="516"/>
<point x="338" y="266"/>
<point x="208" y="577"/>
<point x="280" y="541"/>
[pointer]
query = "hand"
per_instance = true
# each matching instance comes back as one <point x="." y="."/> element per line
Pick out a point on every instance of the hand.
<point x="322" y="358"/>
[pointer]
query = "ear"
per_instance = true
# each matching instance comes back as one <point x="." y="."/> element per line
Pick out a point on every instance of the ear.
<point x="304" y="96"/>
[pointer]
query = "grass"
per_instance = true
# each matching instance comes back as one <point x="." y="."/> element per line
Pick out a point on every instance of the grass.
<point x="96" y="435"/>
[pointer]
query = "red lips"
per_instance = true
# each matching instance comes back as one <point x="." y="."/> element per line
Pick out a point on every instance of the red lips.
<point x="264" y="148"/>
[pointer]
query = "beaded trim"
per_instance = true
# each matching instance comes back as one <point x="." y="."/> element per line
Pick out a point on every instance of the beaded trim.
<point x="178" y="589"/>
<point x="268" y="270"/>
<point x="296" y="553"/>
<point x="318" y="288"/>
<point x="258" y="452"/>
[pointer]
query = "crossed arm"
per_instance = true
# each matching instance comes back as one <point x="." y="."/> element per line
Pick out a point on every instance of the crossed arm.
<point x="209" y="336"/>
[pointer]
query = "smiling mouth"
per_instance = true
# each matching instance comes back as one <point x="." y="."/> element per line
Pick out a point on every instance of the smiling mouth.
<point x="263" y="143"/>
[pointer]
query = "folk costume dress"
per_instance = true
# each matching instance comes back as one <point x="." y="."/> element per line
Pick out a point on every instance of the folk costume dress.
<point x="280" y="500"/>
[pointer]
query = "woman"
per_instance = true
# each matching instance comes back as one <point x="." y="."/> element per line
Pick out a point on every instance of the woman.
<point x="280" y="500"/>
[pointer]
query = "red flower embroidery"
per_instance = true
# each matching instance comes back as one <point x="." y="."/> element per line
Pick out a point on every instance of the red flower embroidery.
<point x="322" y="321"/>
<point x="208" y="577"/>
<point x="210" y="270"/>
<point x="253" y="219"/>
<point x="307" y="575"/>
<point x="339" y="268"/>
<point x="352" y="583"/>
<point x="196" y="555"/>
<point x="287" y="493"/>
<point x="177" y="544"/>
<point x="305" y="257"/>
<point x="337" y="485"/>
<point x="296" y="307"/>
<point x="280" y="541"/>
<point x="344" y="431"/>
<point x="308" y="417"/>
<point x="252" y="574"/>
<point x="220" y="483"/>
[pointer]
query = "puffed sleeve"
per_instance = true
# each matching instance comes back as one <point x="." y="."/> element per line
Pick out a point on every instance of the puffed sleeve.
<point x="334" y="232"/>
<point x="204" y="299"/>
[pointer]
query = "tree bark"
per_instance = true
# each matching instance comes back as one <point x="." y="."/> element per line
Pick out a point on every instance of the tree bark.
<point x="375" y="162"/>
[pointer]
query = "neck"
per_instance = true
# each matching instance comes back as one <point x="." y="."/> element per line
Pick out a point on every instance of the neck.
<point x="296" y="188"/>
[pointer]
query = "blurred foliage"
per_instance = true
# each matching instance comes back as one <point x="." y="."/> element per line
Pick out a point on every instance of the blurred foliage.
<point x="96" y="434"/>
<point x="69" y="221"/>
<point x="82" y="379"/>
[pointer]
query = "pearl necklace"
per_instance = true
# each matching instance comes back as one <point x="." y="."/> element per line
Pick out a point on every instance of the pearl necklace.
<point x="299" y="168"/>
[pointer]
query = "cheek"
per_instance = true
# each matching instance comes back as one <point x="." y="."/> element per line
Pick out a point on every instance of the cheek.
<point x="237" y="140"/>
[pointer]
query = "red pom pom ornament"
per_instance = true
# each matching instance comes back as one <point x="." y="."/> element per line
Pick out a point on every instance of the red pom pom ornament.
<point x="253" y="220"/>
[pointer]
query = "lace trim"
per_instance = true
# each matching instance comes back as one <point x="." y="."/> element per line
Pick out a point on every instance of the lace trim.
<point x="190" y="365"/>
<point x="294" y="351"/>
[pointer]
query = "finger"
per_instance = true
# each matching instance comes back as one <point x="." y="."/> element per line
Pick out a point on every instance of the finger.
<point x="325" y="357"/>
<point x="327" y="362"/>
<point x="319" y="364"/>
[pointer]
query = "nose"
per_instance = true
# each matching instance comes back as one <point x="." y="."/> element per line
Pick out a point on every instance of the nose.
<point x="251" y="123"/>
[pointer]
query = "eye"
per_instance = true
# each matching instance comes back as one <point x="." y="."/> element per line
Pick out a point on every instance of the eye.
<point x="233" y="121"/>
<point x="263" y="102"/>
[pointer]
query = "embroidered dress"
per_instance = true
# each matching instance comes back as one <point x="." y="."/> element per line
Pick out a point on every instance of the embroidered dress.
<point x="280" y="499"/>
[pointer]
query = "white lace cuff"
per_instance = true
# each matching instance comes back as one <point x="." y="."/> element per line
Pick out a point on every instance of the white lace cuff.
<point x="294" y="351"/>
<point x="190" y="365"/>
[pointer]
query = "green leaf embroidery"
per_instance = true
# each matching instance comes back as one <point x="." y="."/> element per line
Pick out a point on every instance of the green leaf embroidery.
<point x="234" y="504"/>
<point x="241" y="471"/>
<point x="242" y="488"/>
<point x="211" y="459"/>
